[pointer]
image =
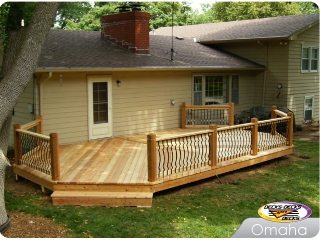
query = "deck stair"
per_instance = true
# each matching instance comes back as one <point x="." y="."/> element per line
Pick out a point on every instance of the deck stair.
<point x="94" y="198"/>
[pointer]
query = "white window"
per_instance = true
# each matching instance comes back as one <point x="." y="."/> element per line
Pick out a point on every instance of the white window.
<point x="214" y="89"/>
<point x="308" y="108"/>
<point x="310" y="59"/>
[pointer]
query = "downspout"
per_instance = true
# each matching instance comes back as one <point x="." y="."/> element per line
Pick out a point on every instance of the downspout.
<point x="44" y="77"/>
<point x="265" y="71"/>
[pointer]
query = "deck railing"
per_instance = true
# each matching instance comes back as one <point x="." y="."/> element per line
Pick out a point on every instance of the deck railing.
<point x="205" y="115"/>
<point x="193" y="152"/>
<point x="35" y="150"/>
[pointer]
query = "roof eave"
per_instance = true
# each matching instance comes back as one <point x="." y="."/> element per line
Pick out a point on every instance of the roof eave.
<point x="295" y="35"/>
<point x="156" y="68"/>
<point x="213" y="41"/>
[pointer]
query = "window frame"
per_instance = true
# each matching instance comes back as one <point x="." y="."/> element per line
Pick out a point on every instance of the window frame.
<point x="309" y="59"/>
<point x="227" y="90"/>
<point x="308" y="108"/>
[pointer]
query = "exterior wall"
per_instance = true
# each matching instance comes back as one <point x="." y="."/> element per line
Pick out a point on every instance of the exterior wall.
<point x="21" y="112"/>
<point x="277" y="72"/>
<point x="140" y="104"/>
<point x="283" y="66"/>
<point x="302" y="84"/>
<point x="64" y="107"/>
<point x="274" y="56"/>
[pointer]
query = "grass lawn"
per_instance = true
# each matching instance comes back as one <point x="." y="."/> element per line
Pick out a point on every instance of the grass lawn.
<point x="209" y="212"/>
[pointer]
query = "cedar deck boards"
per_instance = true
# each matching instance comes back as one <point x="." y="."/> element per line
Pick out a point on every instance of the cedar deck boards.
<point x="119" y="165"/>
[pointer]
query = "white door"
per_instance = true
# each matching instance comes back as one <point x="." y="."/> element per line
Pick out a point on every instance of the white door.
<point x="100" y="106"/>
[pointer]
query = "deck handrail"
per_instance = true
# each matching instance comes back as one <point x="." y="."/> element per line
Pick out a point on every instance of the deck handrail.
<point x="36" y="150"/>
<point x="207" y="114"/>
<point x="252" y="138"/>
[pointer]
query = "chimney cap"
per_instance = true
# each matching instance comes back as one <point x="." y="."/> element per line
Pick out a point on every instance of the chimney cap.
<point x="136" y="6"/>
<point x="124" y="8"/>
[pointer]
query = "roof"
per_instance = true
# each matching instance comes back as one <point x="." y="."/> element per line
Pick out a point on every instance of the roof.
<point x="263" y="28"/>
<point x="65" y="50"/>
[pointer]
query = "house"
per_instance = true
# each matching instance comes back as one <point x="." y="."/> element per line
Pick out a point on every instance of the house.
<point x="287" y="46"/>
<point x="260" y="62"/>
<point x="96" y="89"/>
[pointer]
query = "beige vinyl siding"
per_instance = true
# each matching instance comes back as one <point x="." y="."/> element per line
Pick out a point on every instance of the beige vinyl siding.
<point x="64" y="107"/>
<point x="21" y="112"/>
<point x="302" y="84"/>
<point x="142" y="102"/>
<point x="277" y="72"/>
<point x="250" y="90"/>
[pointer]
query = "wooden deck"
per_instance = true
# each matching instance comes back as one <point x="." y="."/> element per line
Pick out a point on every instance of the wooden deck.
<point x="114" y="172"/>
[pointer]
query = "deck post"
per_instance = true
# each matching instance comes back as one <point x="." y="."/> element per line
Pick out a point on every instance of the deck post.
<point x="273" y="115"/>
<point x="183" y="115"/>
<point x="17" y="144"/>
<point x="290" y="130"/>
<point x="39" y="126"/>
<point x="231" y="114"/>
<point x="213" y="145"/>
<point x="152" y="157"/>
<point x="254" y="136"/>
<point x="55" y="157"/>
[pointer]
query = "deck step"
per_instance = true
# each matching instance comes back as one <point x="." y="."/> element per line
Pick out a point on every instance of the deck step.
<point x="90" y="198"/>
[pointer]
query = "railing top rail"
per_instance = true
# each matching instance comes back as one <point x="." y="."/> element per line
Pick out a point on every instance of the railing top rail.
<point x="30" y="124"/>
<point x="280" y="113"/>
<point x="273" y="120"/>
<point x="235" y="126"/>
<point x="209" y="107"/>
<point x="45" y="137"/>
<point x="184" y="135"/>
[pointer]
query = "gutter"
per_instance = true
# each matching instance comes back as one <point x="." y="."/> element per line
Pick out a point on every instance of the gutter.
<point x="155" y="68"/>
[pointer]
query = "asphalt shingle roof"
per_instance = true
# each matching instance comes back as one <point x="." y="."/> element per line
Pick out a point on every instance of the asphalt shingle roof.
<point x="264" y="28"/>
<point x="85" y="49"/>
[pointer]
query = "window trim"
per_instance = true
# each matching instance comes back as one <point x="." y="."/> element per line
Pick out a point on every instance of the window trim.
<point x="310" y="48"/>
<point x="238" y="89"/>
<point x="227" y="78"/>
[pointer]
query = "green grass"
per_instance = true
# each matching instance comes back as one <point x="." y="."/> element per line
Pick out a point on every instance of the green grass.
<point x="212" y="212"/>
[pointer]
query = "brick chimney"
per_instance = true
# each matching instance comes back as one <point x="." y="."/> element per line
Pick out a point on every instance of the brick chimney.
<point x="127" y="29"/>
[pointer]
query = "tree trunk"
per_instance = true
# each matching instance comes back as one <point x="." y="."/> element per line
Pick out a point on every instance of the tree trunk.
<point x="19" y="63"/>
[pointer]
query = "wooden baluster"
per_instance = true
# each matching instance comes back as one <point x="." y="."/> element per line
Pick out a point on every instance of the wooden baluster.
<point x="273" y="116"/>
<point x="17" y="144"/>
<point x="213" y="145"/>
<point x="55" y="157"/>
<point x="254" y="136"/>
<point x="183" y="115"/>
<point x="231" y="114"/>
<point x="152" y="157"/>
<point x="290" y="130"/>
